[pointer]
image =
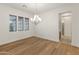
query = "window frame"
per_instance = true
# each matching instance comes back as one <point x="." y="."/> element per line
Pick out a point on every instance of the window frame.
<point x="22" y="25"/>
<point x="15" y="23"/>
<point x="26" y="28"/>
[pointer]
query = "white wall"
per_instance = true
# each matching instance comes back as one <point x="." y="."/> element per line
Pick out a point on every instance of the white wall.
<point x="75" y="27"/>
<point x="5" y="35"/>
<point x="48" y="28"/>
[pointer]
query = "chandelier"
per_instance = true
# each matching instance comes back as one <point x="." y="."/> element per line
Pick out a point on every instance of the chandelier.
<point x="36" y="18"/>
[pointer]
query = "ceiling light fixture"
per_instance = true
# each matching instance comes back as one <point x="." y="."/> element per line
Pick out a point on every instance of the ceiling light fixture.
<point x="36" y="19"/>
<point x="24" y="5"/>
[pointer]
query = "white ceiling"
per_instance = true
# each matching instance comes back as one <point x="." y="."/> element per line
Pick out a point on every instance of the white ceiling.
<point x="31" y="7"/>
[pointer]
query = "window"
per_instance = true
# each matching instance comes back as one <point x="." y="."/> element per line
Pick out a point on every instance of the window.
<point x="26" y="24"/>
<point x="13" y="23"/>
<point x="20" y="23"/>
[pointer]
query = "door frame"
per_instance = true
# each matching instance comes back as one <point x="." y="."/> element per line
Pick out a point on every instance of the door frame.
<point x="59" y="22"/>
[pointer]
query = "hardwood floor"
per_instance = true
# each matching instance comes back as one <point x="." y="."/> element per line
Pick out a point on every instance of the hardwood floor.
<point x="37" y="46"/>
<point x="66" y="39"/>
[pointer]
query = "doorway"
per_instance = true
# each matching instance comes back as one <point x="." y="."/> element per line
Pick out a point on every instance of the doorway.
<point x="65" y="27"/>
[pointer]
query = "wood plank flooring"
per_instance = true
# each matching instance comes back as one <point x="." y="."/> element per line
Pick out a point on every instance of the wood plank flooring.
<point x="37" y="46"/>
<point x="66" y="39"/>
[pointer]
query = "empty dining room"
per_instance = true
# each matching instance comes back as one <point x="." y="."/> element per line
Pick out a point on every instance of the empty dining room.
<point x="39" y="29"/>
